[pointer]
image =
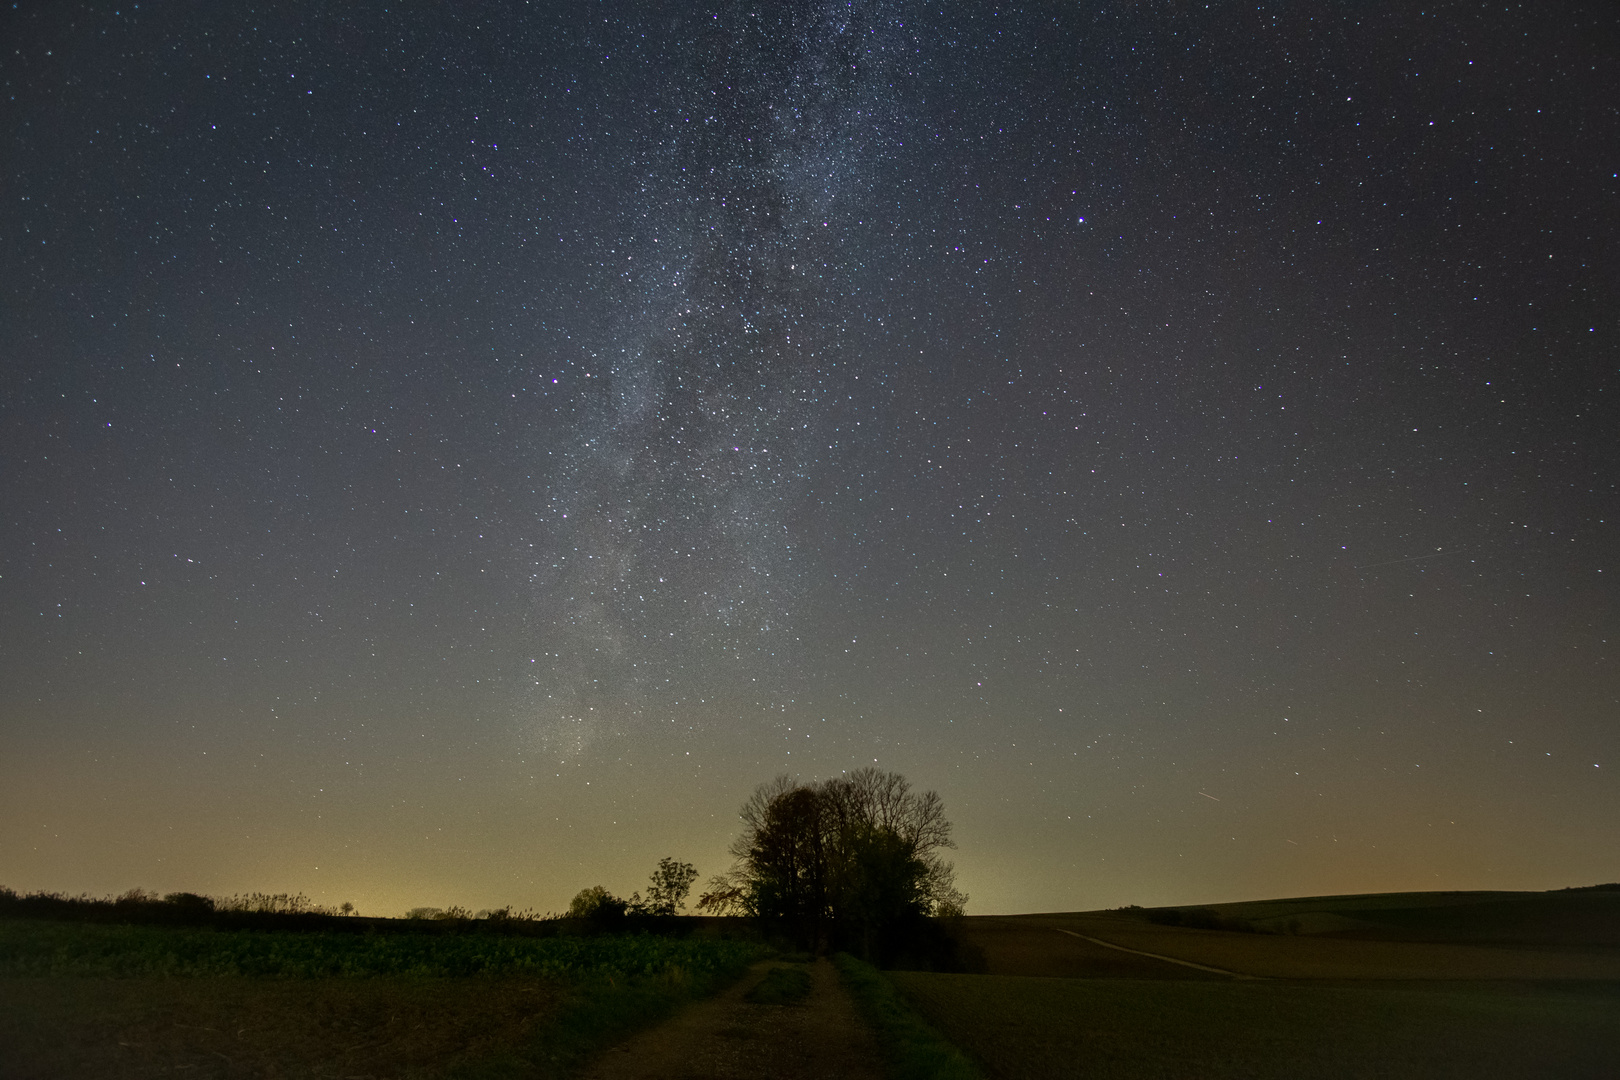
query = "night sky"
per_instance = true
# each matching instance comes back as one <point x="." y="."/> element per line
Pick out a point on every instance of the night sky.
<point x="452" y="453"/>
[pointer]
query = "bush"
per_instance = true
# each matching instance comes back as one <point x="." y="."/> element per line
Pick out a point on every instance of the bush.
<point x="666" y="893"/>
<point x="1202" y="918"/>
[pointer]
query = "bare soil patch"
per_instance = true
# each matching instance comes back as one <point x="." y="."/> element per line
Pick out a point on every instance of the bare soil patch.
<point x="1316" y="957"/>
<point x="234" y="1027"/>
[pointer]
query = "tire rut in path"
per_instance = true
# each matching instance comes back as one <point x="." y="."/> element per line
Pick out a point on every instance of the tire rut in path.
<point x="821" y="1037"/>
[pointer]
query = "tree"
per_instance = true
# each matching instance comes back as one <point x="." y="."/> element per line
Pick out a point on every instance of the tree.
<point x="587" y="901"/>
<point x="671" y="882"/>
<point x="724" y="896"/>
<point x="666" y="895"/>
<point x="852" y="861"/>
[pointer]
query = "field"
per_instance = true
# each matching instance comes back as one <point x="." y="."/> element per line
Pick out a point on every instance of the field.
<point x="78" y="949"/>
<point x="1115" y="1029"/>
<point x="80" y="1000"/>
<point x="1401" y="985"/>
<point x="1569" y="935"/>
<point x="235" y="1026"/>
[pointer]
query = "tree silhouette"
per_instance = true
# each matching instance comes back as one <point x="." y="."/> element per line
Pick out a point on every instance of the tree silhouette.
<point x="587" y="901"/>
<point x="851" y="861"/>
<point x="671" y="882"/>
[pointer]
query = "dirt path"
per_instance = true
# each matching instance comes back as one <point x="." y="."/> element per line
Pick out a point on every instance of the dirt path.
<point x="728" y="1038"/>
<point x="1157" y="956"/>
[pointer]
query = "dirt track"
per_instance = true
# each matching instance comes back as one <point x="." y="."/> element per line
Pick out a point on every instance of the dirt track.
<point x="727" y="1038"/>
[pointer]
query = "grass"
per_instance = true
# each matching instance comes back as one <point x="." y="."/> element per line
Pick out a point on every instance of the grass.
<point x="780" y="986"/>
<point x="136" y="1001"/>
<point x="1123" y="1029"/>
<point x="914" y="1049"/>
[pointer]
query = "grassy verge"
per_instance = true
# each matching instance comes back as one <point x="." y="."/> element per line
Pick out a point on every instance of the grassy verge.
<point x="915" y="1050"/>
<point x="781" y="986"/>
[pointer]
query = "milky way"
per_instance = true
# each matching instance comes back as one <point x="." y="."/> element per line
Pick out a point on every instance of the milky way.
<point x="722" y="367"/>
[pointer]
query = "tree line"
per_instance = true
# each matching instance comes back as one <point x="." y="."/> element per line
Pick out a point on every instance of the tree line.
<point x="666" y="896"/>
<point x="852" y="862"/>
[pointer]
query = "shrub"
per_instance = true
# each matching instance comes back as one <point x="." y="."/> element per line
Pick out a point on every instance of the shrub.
<point x="1202" y="918"/>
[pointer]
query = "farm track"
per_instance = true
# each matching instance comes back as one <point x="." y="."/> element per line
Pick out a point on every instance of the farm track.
<point x="728" y="1038"/>
<point x="1156" y="956"/>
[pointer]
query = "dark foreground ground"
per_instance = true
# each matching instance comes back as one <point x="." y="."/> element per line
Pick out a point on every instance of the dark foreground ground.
<point x="1399" y="985"/>
<point x="1023" y="1026"/>
<point x="1414" y="985"/>
<point x="103" y="1000"/>
<point x="229" y="1027"/>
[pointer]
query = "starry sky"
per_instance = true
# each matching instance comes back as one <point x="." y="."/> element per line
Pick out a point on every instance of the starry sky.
<point x="452" y="453"/>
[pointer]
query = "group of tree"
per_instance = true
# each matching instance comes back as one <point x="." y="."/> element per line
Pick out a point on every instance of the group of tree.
<point x="666" y="896"/>
<point x="851" y="862"/>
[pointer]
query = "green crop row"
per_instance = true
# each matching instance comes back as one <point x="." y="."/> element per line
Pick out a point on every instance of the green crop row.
<point x="41" y="948"/>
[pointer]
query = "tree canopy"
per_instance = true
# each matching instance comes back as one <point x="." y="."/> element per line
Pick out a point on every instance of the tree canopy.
<point x="852" y="861"/>
<point x="666" y="893"/>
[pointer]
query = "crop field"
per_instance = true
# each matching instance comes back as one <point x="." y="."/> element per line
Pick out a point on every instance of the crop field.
<point x="1015" y="945"/>
<point x="1124" y="1029"/>
<point x="234" y="1026"/>
<point x="1401" y="985"/>
<point x="1583" y="917"/>
<point x="1397" y="985"/>
<point x="1327" y="956"/>
<point x="135" y="1001"/>
<point x="43" y="948"/>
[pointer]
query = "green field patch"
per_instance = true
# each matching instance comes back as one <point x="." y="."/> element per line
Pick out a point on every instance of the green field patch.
<point x="1121" y="1029"/>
